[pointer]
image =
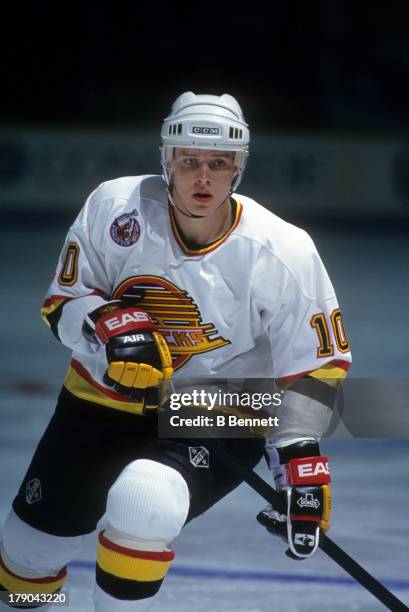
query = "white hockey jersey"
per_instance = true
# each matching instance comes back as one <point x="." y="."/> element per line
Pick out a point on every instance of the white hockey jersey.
<point x="258" y="303"/>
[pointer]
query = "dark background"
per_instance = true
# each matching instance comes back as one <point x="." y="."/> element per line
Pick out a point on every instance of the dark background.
<point x="327" y="64"/>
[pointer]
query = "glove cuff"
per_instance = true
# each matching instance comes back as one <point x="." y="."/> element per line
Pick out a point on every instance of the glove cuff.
<point x="124" y="321"/>
<point x="91" y="319"/>
<point x="280" y="454"/>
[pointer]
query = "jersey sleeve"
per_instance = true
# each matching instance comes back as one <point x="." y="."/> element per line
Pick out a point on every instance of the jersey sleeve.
<point x="301" y="316"/>
<point x="80" y="284"/>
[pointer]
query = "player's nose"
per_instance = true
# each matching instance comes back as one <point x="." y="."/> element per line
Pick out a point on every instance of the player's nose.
<point x="203" y="172"/>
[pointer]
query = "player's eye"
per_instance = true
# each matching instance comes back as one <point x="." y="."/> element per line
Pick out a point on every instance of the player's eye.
<point x="190" y="162"/>
<point x="218" y="164"/>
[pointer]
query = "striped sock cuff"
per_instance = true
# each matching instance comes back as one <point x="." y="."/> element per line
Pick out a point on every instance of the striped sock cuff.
<point x="18" y="584"/>
<point x="130" y="574"/>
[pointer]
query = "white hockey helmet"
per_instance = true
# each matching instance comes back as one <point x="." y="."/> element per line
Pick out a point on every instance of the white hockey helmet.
<point x="205" y="122"/>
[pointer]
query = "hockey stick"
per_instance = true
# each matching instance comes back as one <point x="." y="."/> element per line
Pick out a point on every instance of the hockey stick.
<point x="326" y="544"/>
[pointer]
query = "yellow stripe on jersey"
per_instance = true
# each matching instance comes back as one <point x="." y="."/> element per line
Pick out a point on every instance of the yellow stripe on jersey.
<point x="49" y="308"/>
<point x="80" y="387"/>
<point x="330" y="375"/>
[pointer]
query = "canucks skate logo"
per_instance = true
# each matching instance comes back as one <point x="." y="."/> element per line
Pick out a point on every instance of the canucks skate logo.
<point x="33" y="491"/>
<point x="175" y="315"/>
<point x="199" y="456"/>
<point x="125" y="230"/>
<point x="309" y="501"/>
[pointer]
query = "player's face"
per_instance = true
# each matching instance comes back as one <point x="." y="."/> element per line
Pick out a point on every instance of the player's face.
<point x="201" y="179"/>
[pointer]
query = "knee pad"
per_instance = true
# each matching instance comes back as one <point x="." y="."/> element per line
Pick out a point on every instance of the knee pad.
<point x="34" y="550"/>
<point x="148" y="501"/>
<point x="146" y="509"/>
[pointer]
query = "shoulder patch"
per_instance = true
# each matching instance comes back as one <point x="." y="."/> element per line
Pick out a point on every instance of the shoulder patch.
<point x="125" y="229"/>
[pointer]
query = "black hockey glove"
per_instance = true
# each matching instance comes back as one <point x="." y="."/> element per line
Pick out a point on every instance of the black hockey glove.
<point x="302" y="477"/>
<point x="138" y="356"/>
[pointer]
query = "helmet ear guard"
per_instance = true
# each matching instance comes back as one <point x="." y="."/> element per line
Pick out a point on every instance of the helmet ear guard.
<point x="205" y="122"/>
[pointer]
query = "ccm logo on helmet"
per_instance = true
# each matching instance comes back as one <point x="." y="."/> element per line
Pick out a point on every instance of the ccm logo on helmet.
<point x="206" y="130"/>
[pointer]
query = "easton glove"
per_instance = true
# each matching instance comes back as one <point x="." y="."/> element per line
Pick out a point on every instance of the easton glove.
<point x="138" y="356"/>
<point x="302" y="477"/>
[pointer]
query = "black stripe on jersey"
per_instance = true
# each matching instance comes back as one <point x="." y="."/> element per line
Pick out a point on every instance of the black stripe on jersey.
<point x="54" y="317"/>
<point x="123" y="588"/>
<point x="315" y="389"/>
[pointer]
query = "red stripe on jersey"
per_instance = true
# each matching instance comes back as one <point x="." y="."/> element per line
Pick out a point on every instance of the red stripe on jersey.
<point x="55" y="298"/>
<point x="340" y="363"/>
<point x="79" y="368"/>
<point x="336" y="363"/>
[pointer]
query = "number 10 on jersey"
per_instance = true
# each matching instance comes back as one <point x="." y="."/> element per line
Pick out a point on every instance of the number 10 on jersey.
<point x="319" y="323"/>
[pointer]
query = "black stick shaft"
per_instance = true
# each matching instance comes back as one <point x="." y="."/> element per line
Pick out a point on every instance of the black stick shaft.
<point x="326" y="544"/>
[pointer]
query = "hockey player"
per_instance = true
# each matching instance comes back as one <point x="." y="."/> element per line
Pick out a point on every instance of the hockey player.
<point x="160" y="278"/>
